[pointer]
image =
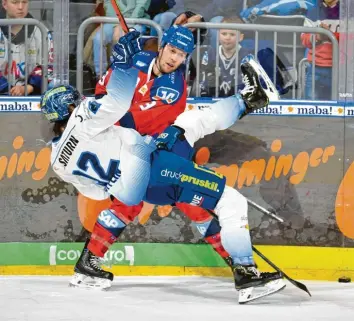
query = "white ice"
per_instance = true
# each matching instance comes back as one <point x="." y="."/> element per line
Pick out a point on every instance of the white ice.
<point x="167" y="298"/>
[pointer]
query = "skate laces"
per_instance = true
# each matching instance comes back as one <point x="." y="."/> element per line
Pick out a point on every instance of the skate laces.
<point x="268" y="274"/>
<point x="248" y="270"/>
<point x="248" y="87"/>
<point x="96" y="262"/>
<point x="254" y="270"/>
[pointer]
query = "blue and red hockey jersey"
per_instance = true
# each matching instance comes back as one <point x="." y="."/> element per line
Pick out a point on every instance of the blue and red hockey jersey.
<point x="157" y="101"/>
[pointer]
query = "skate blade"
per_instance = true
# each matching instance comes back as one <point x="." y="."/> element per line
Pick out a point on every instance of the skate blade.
<point x="89" y="282"/>
<point x="246" y="295"/>
<point x="271" y="91"/>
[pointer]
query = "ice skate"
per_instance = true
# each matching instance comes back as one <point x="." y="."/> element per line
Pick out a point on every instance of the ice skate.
<point x="254" y="95"/>
<point x="89" y="274"/>
<point x="253" y="284"/>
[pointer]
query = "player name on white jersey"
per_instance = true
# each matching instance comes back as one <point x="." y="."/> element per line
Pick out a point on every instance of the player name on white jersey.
<point x="68" y="150"/>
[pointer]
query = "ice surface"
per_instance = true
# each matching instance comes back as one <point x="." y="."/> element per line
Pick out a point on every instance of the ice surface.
<point x="167" y="298"/>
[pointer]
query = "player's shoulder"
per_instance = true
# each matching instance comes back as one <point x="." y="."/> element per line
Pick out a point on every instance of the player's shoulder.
<point x="173" y="80"/>
<point x="143" y="59"/>
<point x="169" y="87"/>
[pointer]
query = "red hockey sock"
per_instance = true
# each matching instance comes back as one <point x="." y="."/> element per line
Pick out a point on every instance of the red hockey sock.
<point x="215" y="242"/>
<point x="110" y="224"/>
<point x="101" y="240"/>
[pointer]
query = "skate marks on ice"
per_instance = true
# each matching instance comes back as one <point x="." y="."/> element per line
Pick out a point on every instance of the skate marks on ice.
<point x="167" y="298"/>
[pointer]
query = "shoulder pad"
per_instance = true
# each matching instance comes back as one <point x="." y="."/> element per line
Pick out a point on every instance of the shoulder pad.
<point x="174" y="79"/>
<point x="142" y="60"/>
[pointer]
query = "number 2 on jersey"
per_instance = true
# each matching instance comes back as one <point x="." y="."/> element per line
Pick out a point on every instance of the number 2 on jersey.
<point x="89" y="160"/>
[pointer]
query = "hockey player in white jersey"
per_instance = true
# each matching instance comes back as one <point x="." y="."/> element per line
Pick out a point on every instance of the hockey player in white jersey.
<point x="101" y="159"/>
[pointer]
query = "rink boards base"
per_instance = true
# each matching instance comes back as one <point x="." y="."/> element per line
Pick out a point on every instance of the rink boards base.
<point x="141" y="259"/>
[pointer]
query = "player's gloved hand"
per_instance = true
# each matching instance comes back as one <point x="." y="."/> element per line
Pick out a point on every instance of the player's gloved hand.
<point x="168" y="138"/>
<point x="3" y="83"/>
<point x="124" y="50"/>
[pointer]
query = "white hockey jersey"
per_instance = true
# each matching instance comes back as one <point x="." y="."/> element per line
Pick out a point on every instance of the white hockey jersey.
<point x="101" y="159"/>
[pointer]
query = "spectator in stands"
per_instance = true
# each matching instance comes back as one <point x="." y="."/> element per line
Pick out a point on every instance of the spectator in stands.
<point x="325" y="16"/>
<point x="227" y="54"/>
<point x="230" y="53"/>
<point x="221" y="8"/>
<point x="216" y="10"/>
<point x="12" y="66"/>
<point x="111" y="32"/>
<point x="278" y="8"/>
<point x="159" y="11"/>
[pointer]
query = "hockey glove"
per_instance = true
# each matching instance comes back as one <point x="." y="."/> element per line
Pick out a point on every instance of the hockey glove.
<point x="124" y="50"/>
<point x="3" y="83"/>
<point x="168" y="138"/>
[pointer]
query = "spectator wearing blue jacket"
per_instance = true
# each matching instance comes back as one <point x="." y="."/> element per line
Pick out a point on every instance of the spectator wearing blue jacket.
<point x="278" y="8"/>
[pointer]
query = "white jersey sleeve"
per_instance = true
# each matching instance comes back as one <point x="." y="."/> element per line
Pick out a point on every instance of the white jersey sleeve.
<point x="200" y="122"/>
<point x="105" y="112"/>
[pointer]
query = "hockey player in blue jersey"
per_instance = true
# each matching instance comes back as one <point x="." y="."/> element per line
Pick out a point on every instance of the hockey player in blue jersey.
<point x="101" y="159"/>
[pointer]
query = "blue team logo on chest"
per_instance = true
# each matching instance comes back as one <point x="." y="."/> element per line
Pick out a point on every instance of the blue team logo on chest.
<point x="168" y="94"/>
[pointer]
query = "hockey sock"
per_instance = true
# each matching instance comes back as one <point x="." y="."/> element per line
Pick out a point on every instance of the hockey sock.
<point x="237" y="242"/>
<point x="235" y="237"/>
<point x="105" y="232"/>
<point x="207" y="226"/>
<point x="211" y="232"/>
<point x="215" y="242"/>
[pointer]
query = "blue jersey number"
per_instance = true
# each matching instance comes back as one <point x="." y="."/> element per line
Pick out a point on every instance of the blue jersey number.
<point x="87" y="160"/>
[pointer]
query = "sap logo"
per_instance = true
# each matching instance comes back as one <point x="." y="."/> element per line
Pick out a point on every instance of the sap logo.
<point x="140" y="63"/>
<point x="163" y="135"/>
<point x="107" y="219"/>
<point x="167" y="173"/>
<point x="197" y="200"/>
<point x="168" y="94"/>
